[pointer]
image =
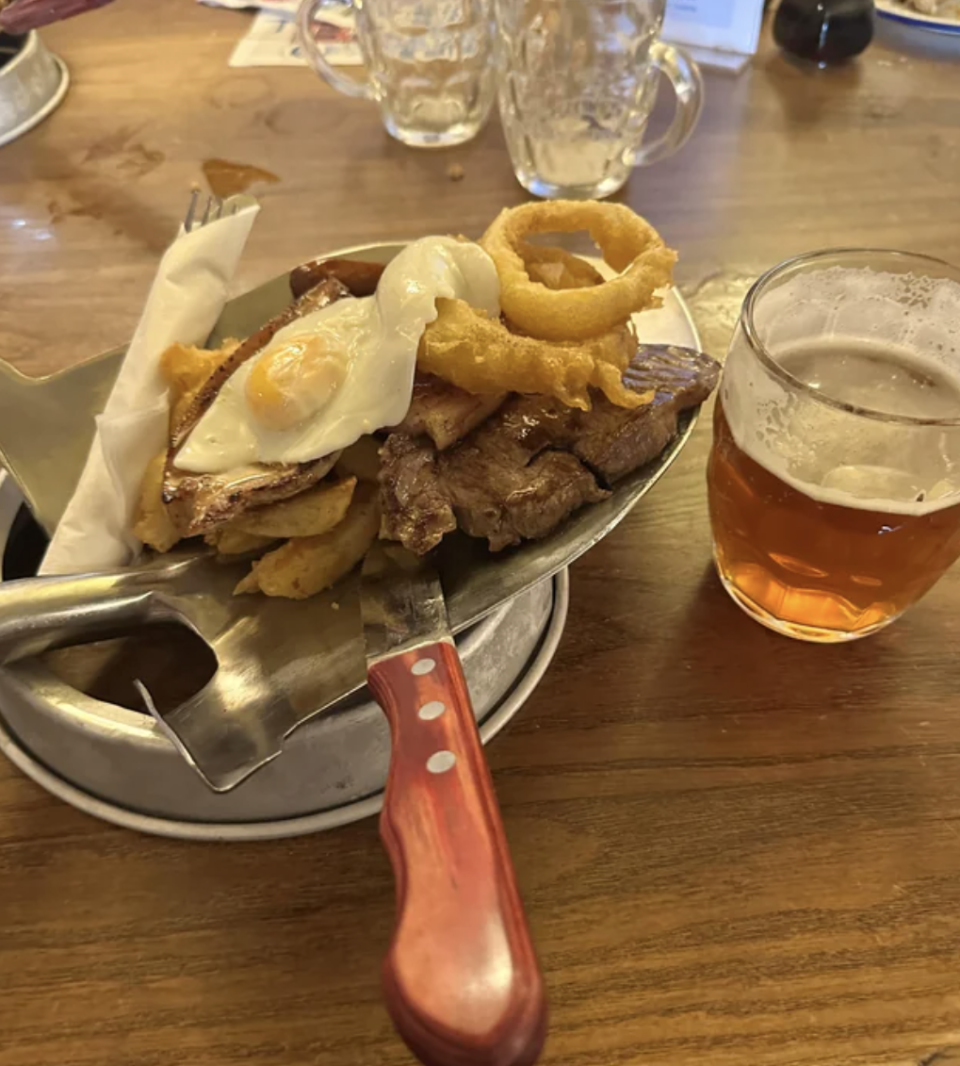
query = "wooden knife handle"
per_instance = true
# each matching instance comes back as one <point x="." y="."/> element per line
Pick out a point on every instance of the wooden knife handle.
<point x="461" y="979"/>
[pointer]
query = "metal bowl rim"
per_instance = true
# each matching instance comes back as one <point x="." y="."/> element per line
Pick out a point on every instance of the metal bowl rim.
<point x="274" y="829"/>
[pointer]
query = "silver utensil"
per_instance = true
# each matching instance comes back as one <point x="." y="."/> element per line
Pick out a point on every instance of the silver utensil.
<point x="280" y="662"/>
<point x="461" y="979"/>
<point x="212" y="210"/>
<point x="47" y="467"/>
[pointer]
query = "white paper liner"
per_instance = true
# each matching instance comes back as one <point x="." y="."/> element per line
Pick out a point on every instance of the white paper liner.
<point x="185" y="301"/>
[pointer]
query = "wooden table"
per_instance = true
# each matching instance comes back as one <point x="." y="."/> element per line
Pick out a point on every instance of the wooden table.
<point x="735" y="850"/>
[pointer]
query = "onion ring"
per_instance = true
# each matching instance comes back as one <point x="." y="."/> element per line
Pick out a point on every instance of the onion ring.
<point x="480" y="355"/>
<point x="628" y="243"/>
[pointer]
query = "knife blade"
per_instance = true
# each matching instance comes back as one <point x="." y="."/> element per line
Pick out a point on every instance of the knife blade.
<point x="461" y="979"/>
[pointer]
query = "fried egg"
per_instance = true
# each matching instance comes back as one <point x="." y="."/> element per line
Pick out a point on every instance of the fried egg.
<point x="331" y="377"/>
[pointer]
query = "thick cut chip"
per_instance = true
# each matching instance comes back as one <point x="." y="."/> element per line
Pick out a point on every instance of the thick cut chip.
<point x="361" y="460"/>
<point x="305" y="566"/>
<point x="311" y="513"/>
<point x="231" y="541"/>
<point x="153" y="524"/>
<point x="186" y="370"/>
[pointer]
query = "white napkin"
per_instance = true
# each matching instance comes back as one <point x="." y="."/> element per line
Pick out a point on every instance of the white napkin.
<point x="184" y="304"/>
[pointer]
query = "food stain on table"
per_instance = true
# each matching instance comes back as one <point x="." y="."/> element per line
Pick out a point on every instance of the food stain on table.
<point x="59" y="211"/>
<point x="132" y="158"/>
<point x="228" y="179"/>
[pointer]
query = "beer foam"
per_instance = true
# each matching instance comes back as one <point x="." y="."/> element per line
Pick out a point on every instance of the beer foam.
<point x="885" y="342"/>
<point x="917" y="313"/>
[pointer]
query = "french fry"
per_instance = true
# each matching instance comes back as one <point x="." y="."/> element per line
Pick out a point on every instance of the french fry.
<point x="186" y="368"/>
<point x="153" y="524"/>
<point x="305" y="566"/>
<point x="311" y="513"/>
<point x="229" y="540"/>
<point x="360" y="460"/>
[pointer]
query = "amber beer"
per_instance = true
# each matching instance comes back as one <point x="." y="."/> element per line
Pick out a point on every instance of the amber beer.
<point x="834" y="479"/>
<point x="819" y="565"/>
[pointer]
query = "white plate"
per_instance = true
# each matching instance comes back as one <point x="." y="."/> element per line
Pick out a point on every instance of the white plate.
<point x="908" y="16"/>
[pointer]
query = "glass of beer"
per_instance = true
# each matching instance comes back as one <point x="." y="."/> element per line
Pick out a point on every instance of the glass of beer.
<point x="834" y="478"/>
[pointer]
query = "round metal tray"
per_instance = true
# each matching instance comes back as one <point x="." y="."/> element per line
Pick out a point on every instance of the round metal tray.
<point x="32" y="84"/>
<point x="114" y="763"/>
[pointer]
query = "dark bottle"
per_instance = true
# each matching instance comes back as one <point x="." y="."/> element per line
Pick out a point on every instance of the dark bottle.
<point x="824" y="31"/>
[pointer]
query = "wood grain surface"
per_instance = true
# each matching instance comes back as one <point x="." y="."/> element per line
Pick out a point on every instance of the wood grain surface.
<point x="734" y="850"/>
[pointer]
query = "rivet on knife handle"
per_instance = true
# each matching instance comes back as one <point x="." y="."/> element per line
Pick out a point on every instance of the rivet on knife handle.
<point x="461" y="979"/>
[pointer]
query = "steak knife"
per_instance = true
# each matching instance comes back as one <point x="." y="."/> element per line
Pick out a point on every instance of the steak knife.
<point x="461" y="979"/>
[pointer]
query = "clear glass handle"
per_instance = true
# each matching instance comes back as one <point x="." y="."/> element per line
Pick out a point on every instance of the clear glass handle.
<point x="306" y="13"/>
<point x="684" y="75"/>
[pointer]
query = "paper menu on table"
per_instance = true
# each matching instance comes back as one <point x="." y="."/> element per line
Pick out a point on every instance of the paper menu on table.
<point x="272" y="41"/>
<point x="271" y="37"/>
<point x="723" y="25"/>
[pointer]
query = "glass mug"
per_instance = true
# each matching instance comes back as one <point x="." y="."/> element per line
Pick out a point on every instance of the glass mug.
<point x="430" y="64"/>
<point x="578" y="81"/>
<point x="834" y="479"/>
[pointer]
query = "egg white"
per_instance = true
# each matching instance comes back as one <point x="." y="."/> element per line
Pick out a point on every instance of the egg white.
<point x="380" y="335"/>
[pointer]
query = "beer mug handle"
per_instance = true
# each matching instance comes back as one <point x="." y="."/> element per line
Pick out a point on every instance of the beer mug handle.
<point x="684" y="75"/>
<point x="306" y="14"/>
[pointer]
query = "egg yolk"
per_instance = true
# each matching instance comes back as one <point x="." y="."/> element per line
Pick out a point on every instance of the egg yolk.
<point x="295" y="380"/>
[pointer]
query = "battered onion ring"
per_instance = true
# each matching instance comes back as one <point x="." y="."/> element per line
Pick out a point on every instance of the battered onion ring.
<point x="628" y="242"/>
<point x="480" y="355"/>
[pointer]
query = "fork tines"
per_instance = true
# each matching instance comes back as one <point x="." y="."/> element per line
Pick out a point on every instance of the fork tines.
<point x="213" y="210"/>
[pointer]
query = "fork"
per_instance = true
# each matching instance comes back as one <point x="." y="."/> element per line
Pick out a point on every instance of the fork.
<point x="46" y="466"/>
<point x="212" y="211"/>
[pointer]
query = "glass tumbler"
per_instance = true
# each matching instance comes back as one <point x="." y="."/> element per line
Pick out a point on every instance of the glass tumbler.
<point x="578" y="81"/>
<point x="430" y="64"/>
<point x="834" y="479"/>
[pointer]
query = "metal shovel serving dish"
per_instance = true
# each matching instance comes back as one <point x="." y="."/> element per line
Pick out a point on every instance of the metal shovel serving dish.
<point x="280" y="662"/>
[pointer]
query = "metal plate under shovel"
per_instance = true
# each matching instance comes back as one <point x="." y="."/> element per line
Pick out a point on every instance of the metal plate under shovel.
<point x="116" y="764"/>
<point x="476" y="583"/>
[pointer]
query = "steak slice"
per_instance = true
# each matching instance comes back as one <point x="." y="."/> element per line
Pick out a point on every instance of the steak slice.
<point x="507" y="504"/>
<point x="443" y="412"/>
<point x="520" y="473"/>
<point x="198" y="503"/>
<point x="505" y="482"/>
<point x="613" y="440"/>
<point x="414" y="505"/>
<point x="509" y="482"/>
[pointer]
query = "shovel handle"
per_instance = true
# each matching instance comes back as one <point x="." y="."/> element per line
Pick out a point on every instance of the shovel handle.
<point x="40" y="613"/>
<point x="461" y="979"/>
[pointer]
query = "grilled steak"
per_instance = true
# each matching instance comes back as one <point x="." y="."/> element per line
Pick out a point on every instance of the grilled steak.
<point x="414" y="506"/>
<point x="198" y="503"/>
<point x="534" y="462"/>
<point x="443" y="412"/>
<point x="612" y="440"/>
<point x="509" y="503"/>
